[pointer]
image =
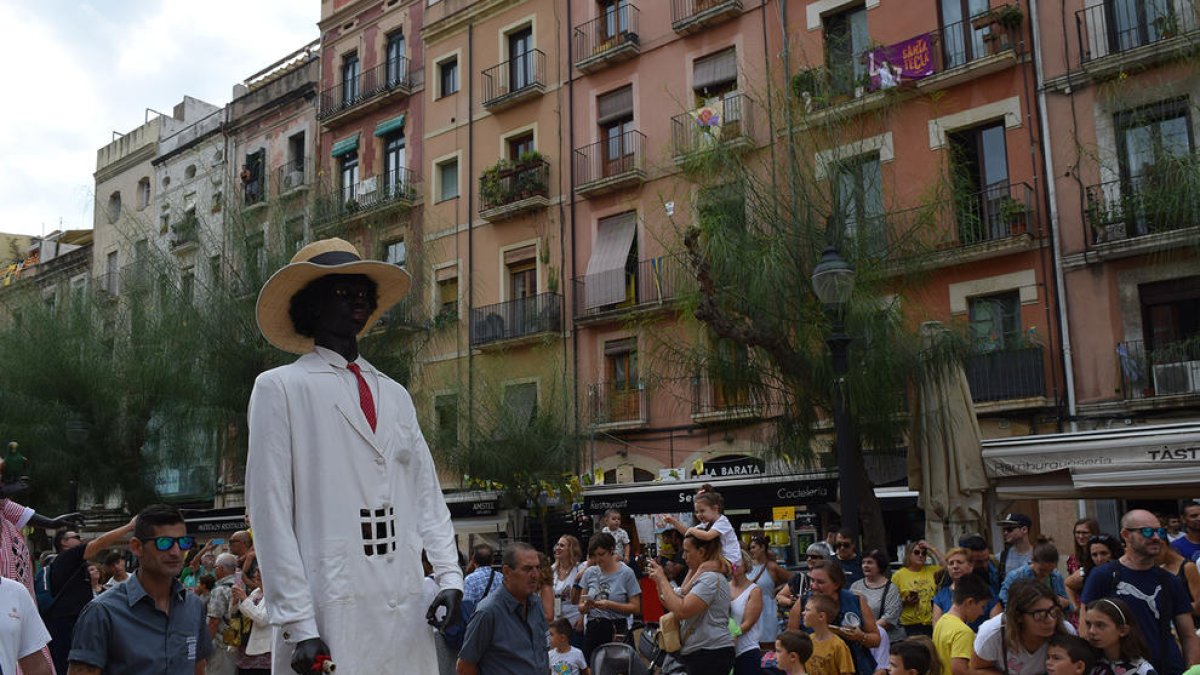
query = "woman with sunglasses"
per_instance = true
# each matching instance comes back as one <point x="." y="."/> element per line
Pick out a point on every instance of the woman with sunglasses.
<point x="1015" y="642"/>
<point x="917" y="582"/>
<point x="799" y="585"/>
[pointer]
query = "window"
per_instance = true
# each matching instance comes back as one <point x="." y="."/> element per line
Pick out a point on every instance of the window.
<point x="858" y="188"/>
<point x="448" y="76"/>
<point x="295" y="160"/>
<point x="111" y="272"/>
<point x="521" y="401"/>
<point x="714" y="76"/>
<point x="1171" y="316"/>
<point x="396" y="253"/>
<point x="253" y="176"/>
<point x="621" y="362"/>
<point x="846" y="39"/>
<point x="616" y="17"/>
<point x="723" y="205"/>
<point x="520" y="59"/>
<point x="350" y="72"/>
<point x="730" y="387"/>
<point x="397" y="65"/>
<point x="447" y="293"/>
<point x="394" y="180"/>
<point x="1133" y="23"/>
<point x="617" y="131"/>
<point x="349" y="176"/>
<point x="1155" y="146"/>
<point x="521" y="265"/>
<point x="214" y="271"/>
<point x="995" y="321"/>
<point x="979" y="175"/>
<point x="187" y="284"/>
<point x="114" y="207"/>
<point x="445" y="413"/>
<point x="447" y="175"/>
<point x="520" y="146"/>
<point x="190" y="172"/>
<point x="143" y="193"/>
<point x="962" y="43"/>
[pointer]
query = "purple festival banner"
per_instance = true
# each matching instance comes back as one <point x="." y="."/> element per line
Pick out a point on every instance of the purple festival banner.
<point x="911" y="59"/>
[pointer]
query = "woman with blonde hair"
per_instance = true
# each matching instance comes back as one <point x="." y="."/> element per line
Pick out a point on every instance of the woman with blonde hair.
<point x="568" y="564"/>
<point x="958" y="565"/>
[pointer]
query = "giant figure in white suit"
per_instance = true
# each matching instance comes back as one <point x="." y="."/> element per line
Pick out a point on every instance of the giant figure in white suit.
<point x="340" y="485"/>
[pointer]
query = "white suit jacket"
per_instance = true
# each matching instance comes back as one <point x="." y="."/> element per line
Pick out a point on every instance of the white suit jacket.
<point x="340" y="516"/>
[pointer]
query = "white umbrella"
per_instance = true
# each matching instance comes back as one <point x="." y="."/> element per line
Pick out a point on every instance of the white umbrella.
<point x="945" y="459"/>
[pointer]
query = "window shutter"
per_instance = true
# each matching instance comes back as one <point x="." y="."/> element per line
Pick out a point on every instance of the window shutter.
<point x="715" y="69"/>
<point x="446" y="273"/>
<point x="615" y="105"/>
<point x="520" y="255"/>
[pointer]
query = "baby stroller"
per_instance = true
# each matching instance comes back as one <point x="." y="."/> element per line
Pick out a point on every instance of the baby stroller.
<point x="661" y="663"/>
<point x="617" y="658"/>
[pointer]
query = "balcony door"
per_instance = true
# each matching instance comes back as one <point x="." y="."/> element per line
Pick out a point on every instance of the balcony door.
<point x="961" y="43"/>
<point x="621" y="362"/>
<point x="350" y="73"/>
<point x="397" y="69"/>
<point x="1133" y="23"/>
<point x="979" y="171"/>
<point x="520" y="59"/>
<point x="1154" y="146"/>
<point x="616" y="18"/>
<point x="394" y="164"/>
<point x="1171" y="325"/>
<point x="846" y="39"/>
<point x="859" y="189"/>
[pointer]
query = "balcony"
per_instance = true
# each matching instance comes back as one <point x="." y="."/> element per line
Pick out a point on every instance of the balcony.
<point x="1119" y="36"/>
<point x="1157" y="209"/>
<point x="508" y="189"/>
<point x="520" y="78"/>
<point x="515" y="321"/>
<point x="293" y="176"/>
<point x="691" y="16"/>
<point x="614" y="406"/>
<point x="651" y="284"/>
<point x="610" y="165"/>
<point x="727" y="123"/>
<point x="397" y="188"/>
<point x="185" y="234"/>
<point x="376" y="86"/>
<point x="610" y="38"/>
<point x="1007" y="375"/>
<point x="714" y="401"/>
<point x="1147" y="372"/>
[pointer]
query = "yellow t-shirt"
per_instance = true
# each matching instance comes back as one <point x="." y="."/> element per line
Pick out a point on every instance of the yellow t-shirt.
<point x="953" y="639"/>
<point x="925" y="584"/>
<point x="829" y="657"/>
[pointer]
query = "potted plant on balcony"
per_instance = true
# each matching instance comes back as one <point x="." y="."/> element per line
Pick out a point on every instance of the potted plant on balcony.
<point x="528" y="179"/>
<point x="1014" y="213"/>
<point x="1009" y="17"/>
<point x="491" y="183"/>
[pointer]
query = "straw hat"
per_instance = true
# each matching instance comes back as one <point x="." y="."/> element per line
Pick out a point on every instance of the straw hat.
<point x="318" y="259"/>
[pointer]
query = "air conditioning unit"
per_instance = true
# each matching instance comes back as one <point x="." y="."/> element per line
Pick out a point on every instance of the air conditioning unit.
<point x="1177" y="378"/>
<point x="293" y="179"/>
<point x="366" y="186"/>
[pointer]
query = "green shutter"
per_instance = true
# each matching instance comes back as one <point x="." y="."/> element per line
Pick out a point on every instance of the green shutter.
<point x="345" y="146"/>
<point x="388" y="126"/>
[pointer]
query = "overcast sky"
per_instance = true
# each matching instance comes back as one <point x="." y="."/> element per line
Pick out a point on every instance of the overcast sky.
<point x="77" y="71"/>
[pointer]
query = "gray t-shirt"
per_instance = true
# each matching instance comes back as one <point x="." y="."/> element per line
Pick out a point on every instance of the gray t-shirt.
<point x="619" y="586"/>
<point x="1016" y="560"/>
<point x="712" y="629"/>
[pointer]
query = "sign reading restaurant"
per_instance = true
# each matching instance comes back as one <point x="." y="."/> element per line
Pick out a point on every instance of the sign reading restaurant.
<point x="673" y="498"/>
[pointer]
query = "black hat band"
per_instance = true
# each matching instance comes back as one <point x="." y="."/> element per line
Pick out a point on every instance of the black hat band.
<point x="334" y="258"/>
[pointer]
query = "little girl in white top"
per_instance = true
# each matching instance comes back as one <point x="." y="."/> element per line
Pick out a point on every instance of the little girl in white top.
<point x="709" y="506"/>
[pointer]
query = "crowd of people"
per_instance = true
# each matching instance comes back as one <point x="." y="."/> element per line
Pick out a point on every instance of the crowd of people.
<point x="1125" y="604"/>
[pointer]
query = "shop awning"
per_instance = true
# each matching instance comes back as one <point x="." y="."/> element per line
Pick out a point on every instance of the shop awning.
<point x="480" y="525"/>
<point x="605" y="281"/>
<point x="388" y="126"/>
<point x="676" y="496"/>
<point x="473" y="503"/>
<point x="345" y="146"/>
<point x="1109" y="463"/>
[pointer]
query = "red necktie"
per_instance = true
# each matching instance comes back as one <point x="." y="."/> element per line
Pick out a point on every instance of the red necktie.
<point x="365" y="400"/>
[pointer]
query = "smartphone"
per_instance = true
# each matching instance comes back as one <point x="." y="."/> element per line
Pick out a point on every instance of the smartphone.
<point x="218" y="542"/>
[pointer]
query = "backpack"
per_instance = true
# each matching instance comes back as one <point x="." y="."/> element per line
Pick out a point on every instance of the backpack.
<point x="456" y="630"/>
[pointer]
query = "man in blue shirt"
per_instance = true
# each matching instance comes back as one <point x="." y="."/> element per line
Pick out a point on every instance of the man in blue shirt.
<point x="1189" y="544"/>
<point x="484" y="580"/>
<point x="1156" y="597"/>
<point x="1042" y="568"/>
<point x="507" y="633"/>
<point x="151" y="623"/>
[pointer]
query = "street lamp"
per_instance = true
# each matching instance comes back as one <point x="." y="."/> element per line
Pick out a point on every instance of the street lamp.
<point x="833" y="282"/>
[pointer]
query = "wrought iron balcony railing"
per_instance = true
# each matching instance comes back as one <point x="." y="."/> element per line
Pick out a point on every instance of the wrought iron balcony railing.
<point x="293" y="175"/>
<point x="393" y="75"/>
<point x="725" y="399"/>
<point x="610" y="37"/>
<point x="1163" y="199"/>
<point x="1118" y="26"/>
<point x="649" y="283"/>
<point x="515" y="319"/>
<point x="617" y="403"/>
<point x="1163" y="370"/>
<point x="513" y="80"/>
<point x="610" y="161"/>
<point x="513" y="183"/>
<point x="727" y="121"/>
<point x="693" y="15"/>
<point x="1006" y="374"/>
<point x="394" y="188"/>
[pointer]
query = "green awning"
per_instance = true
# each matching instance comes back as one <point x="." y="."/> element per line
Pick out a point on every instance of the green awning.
<point x="345" y="146"/>
<point x="388" y="126"/>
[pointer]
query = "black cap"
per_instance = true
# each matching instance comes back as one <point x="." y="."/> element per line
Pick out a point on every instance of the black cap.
<point x="1016" y="520"/>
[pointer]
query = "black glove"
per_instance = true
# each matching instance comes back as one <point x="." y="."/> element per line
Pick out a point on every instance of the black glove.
<point x="306" y="653"/>
<point x="449" y="598"/>
<point x="72" y="520"/>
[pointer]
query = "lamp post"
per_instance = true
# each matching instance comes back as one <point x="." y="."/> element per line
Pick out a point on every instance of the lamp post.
<point x="833" y="282"/>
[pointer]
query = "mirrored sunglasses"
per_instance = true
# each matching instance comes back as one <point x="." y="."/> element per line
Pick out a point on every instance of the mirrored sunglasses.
<point x="165" y="543"/>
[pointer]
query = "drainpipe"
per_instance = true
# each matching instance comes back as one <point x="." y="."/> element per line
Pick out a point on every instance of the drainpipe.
<point x="1064" y="330"/>
<point x="569" y="160"/>
<point x="470" y="230"/>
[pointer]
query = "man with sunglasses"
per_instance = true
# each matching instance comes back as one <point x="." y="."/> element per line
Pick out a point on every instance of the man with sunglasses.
<point x="71" y="587"/>
<point x="1156" y="597"/>
<point x="1018" y="549"/>
<point x="1188" y="544"/>
<point x="847" y="555"/>
<point x="151" y="623"/>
